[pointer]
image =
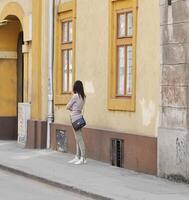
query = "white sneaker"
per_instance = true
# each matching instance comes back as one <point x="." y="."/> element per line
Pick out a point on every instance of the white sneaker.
<point x="76" y="159"/>
<point x="82" y="160"/>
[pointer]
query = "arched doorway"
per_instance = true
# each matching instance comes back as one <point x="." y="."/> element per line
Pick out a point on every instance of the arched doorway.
<point x="11" y="75"/>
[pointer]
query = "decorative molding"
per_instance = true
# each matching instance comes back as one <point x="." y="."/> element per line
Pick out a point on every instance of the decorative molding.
<point x="13" y="8"/>
<point x="28" y="27"/>
<point x="64" y="7"/>
<point x="135" y="2"/>
<point x="8" y="55"/>
<point x="25" y="48"/>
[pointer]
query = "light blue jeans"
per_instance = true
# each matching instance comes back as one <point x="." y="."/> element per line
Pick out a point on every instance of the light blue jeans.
<point x="80" y="145"/>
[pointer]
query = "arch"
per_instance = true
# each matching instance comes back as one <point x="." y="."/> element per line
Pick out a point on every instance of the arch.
<point x="11" y="68"/>
<point x="15" y="9"/>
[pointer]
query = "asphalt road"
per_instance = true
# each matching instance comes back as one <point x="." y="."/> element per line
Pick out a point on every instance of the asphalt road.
<point x="13" y="187"/>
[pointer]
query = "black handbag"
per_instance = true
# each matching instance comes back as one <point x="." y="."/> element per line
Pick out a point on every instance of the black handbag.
<point x="79" y="123"/>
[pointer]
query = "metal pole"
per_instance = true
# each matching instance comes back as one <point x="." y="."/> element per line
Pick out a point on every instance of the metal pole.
<point x="50" y="69"/>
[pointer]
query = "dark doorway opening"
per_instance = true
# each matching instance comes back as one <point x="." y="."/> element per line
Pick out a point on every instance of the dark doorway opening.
<point x="20" y="76"/>
<point x="20" y="69"/>
<point x="11" y="76"/>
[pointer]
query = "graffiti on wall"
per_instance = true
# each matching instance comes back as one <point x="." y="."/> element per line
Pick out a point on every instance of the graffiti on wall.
<point x="180" y="151"/>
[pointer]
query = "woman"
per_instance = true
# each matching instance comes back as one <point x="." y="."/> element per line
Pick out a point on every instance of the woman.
<point x="75" y="107"/>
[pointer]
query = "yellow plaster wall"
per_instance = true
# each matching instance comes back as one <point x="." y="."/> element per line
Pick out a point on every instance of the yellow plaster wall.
<point x="35" y="64"/>
<point x="39" y="95"/>
<point x="8" y="86"/>
<point x="8" y="72"/>
<point x="26" y="4"/>
<point x="44" y="60"/>
<point x="9" y="36"/>
<point x="36" y="59"/>
<point x="19" y="8"/>
<point x="92" y="68"/>
<point x="8" y="42"/>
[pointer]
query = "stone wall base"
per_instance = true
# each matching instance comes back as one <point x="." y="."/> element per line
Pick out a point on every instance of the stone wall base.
<point x="8" y="128"/>
<point x="140" y="152"/>
<point x="173" y="153"/>
<point x="36" y="134"/>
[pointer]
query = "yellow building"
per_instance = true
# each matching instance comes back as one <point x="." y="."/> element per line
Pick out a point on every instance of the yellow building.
<point x="113" y="46"/>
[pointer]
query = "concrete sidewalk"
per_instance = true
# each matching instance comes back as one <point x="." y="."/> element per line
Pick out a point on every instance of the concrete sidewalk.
<point x="95" y="179"/>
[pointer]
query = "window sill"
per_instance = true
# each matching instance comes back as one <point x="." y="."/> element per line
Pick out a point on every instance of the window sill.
<point x="122" y="104"/>
<point x="62" y="99"/>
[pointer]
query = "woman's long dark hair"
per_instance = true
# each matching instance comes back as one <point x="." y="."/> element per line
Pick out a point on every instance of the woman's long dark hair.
<point x="78" y="88"/>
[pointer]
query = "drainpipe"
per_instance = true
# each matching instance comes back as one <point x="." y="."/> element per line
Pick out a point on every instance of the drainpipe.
<point x="50" y="68"/>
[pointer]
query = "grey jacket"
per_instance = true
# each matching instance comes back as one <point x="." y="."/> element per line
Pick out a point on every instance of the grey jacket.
<point x="75" y="105"/>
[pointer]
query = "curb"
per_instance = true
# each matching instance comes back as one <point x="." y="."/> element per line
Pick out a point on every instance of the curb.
<point x="54" y="184"/>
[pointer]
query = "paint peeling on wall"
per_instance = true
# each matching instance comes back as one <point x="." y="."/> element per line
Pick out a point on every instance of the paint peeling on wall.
<point x="180" y="151"/>
<point x="89" y="87"/>
<point x="148" y="111"/>
<point x="157" y="124"/>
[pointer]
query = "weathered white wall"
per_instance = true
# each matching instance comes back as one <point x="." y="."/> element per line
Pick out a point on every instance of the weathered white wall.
<point x="173" y="136"/>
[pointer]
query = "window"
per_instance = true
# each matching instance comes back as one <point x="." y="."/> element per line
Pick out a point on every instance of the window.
<point x="65" y="62"/>
<point x="122" y="55"/>
<point x="66" y="51"/>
